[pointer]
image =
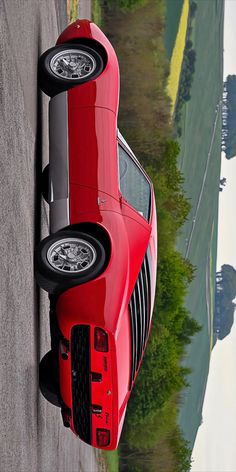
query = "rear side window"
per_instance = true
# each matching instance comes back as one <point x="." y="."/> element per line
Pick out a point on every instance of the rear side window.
<point x="134" y="186"/>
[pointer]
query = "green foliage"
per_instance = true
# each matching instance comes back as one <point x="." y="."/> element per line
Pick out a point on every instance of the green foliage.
<point x="224" y="300"/>
<point x="154" y="427"/>
<point x="229" y="117"/>
<point x="160" y="376"/>
<point x="126" y="5"/>
<point x="174" y="275"/>
<point x="112" y="460"/>
<point x="186" y="80"/>
<point x="169" y="453"/>
<point x="182" y="452"/>
<point x="97" y="12"/>
<point x="228" y="282"/>
<point x="172" y="204"/>
<point x="72" y="10"/>
<point x="188" y="44"/>
<point x="192" y="9"/>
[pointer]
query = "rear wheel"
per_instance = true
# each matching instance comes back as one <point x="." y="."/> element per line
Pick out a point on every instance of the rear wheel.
<point x="67" y="65"/>
<point x="49" y="378"/>
<point x="68" y="258"/>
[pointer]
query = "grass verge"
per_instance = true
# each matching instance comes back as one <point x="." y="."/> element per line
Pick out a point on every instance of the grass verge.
<point x="97" y="12"/>
<point x="112" y="460"/>
<point x="72" y="10"/>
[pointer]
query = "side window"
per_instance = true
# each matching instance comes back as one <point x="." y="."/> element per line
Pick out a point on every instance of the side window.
<point x="133" y="184"/>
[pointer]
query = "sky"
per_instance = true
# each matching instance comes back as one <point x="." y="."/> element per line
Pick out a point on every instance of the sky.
<point x="215" y="445"/>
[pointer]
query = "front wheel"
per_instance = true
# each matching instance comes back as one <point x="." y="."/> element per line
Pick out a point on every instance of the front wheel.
<point x="67" y="65"/>
<point x="68" y="258"/>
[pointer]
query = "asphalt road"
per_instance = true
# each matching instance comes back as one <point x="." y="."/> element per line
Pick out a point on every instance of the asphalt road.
<point x="32" y="437"/>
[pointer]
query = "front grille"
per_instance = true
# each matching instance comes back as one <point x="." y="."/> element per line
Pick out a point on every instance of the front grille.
<point x="80" y="371"/>
<point x="139" y="307"/>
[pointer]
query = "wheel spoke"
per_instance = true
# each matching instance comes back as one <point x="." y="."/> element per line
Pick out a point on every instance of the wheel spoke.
<point x="73" y="64"/>
<point x="71" y="255"/>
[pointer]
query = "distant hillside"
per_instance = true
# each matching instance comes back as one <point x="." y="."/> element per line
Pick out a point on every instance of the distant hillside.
<point x="229" y="117"/>
<point x="224" y="305"/>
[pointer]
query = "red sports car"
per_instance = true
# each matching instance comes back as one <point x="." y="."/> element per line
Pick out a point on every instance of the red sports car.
<point x="99" y="261"/>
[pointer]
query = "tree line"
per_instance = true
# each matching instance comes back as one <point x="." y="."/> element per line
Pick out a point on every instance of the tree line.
<point x="229" y="117"/>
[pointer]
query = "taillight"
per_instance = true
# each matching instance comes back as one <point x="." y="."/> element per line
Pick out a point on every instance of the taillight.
<point x="100" y="340"/>
<point x="103" y="437"/>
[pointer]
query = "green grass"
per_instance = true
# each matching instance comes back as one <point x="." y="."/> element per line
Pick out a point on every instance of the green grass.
<point x="173" y="13"/>
<point x="112" y="460"/>
<point x="199" y="116"/>
<point x="97" y="12"/>
<point x="72" y="10"/>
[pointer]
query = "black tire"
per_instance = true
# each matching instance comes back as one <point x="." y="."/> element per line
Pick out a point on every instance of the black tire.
<point x="56" y="280"/>
<point x="45" y="183"/>
<point x="49" y="378"/>
<point x="52" y="84"/>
